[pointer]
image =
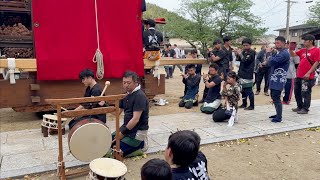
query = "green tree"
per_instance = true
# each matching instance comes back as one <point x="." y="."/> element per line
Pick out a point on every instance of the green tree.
<point x="234" y="18"/>
<point x="314" y="14"/>
<point x="201" y="21"/>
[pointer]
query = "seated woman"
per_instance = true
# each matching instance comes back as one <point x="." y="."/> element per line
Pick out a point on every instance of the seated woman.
<point x="212" y="81"/>
<point x="232" y="96"/>
<point x="192" y="81"/>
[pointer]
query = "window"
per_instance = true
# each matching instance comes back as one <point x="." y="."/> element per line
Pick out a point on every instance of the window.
<point x="294" y="33"/>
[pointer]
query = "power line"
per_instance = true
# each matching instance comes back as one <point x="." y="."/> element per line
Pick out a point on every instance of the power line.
<point x="270" y="10"/>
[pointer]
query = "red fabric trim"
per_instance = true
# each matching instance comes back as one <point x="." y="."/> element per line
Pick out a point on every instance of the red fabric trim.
<point x="65" y="40"/>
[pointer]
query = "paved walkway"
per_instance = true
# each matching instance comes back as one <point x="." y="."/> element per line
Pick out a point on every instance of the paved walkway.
<point x="25" y="152"/>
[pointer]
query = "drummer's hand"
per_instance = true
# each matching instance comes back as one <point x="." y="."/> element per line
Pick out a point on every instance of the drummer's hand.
<point x="101" y="103"/>
<point x="120" y="137"/>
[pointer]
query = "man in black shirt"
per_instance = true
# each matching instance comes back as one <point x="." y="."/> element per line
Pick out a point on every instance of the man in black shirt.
<point x="168" y="52"/>
<point x="263" y="71"/>
<point x="183" y="154"/>
<point x="245" y="73"/>
<point x="219" y="56"/>
<point x="152" y="39"/>
<point x="93" y="89"/>
<point x="135" y="105"/>
<point x="191" y="81"/>
<point x="229" y="58"/>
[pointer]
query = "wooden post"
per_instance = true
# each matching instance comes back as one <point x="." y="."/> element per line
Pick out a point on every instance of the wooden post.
<point x="118" y="153"/>
<point x="61" y="167"/>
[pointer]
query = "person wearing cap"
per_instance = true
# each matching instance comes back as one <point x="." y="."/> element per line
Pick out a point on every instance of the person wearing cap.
<point x="228" y="49"/>
<point x="279" y="64"/>
<point x="305" y="80"/>
<point x="245" y="73"/>
<point x="152" y="40"/>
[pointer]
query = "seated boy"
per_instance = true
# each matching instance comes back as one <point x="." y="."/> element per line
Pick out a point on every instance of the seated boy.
<point x="182" y="153"/>
<point x="192" y="81"/>
<point x="156" y="169"/>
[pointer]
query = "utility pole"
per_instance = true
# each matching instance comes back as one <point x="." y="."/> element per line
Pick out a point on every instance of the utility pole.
<point x="288" y="18"/>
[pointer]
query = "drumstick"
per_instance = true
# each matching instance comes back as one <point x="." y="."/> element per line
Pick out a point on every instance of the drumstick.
<point x="64" y="108"/>
<point x="107" y="83"/>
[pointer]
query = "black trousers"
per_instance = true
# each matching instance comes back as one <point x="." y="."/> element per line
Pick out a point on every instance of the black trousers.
<point x="302" y="92"/>
<point x="263" y="73"/>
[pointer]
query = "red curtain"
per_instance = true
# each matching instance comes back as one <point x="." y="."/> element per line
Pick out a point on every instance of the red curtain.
<point x="66" y="41"/>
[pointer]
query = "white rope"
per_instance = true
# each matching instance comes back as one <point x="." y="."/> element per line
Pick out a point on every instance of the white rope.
<point x="98" y="56"/>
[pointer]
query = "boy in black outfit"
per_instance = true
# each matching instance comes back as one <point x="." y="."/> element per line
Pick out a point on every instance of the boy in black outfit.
<point x="92" y="89"/>
<point x="156" y="169"/>
<point x="183" y="154"/>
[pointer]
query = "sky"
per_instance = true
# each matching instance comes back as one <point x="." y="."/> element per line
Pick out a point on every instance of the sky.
<point x="272" y="12"/>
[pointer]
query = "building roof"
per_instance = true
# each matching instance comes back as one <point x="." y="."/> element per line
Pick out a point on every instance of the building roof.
<point x="302" y="26"/>
<point x="315" y="32"/>
<point x="264" y="40"/>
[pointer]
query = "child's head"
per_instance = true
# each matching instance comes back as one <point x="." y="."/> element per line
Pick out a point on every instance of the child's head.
<point x="183" y="147"/>
<point x="156" y="169"/>
<point x="232" y="77"/>
<point x="213" y="69"/>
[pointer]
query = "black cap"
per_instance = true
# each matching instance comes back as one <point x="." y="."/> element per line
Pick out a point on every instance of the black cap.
<point x="217" y="41"/>
<point x="309" y="37"/>
<point x="150" y="22"/>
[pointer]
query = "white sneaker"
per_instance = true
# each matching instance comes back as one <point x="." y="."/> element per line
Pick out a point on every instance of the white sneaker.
<point x="146" y="145"/>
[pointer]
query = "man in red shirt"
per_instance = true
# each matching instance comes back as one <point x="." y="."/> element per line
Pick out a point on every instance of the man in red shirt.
<point x="309" y="61"/>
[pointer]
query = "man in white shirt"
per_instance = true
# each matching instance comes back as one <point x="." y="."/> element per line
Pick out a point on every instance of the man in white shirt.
<point x="178" y="56"/>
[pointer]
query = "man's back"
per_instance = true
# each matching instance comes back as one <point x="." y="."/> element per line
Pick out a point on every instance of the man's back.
<point x="197" y="170"/>
<point x="152" y="39"/>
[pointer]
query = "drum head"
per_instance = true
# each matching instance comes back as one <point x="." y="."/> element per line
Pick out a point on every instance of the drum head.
<point x="109" y="168"/>
<point x="90" y="141"/>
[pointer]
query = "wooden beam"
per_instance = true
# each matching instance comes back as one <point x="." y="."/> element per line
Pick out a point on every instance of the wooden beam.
<point x="78" y="172"/>
<point x="86" y="112"/>
<point x="24" y="64"/>
<point x="171" y="61"/>
<point x="85" y="99"/>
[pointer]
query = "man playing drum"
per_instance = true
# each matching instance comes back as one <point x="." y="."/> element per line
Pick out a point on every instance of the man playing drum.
<point x="93" y="89"/>
<point x="135" y="105"/>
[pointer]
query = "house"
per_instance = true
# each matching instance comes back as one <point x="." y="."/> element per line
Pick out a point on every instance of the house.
<point x="296" y="32"/>
<point x="258" y="43"/>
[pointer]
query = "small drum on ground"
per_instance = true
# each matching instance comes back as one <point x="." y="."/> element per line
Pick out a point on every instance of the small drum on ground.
<point x="89" y="139"/>
<point x="49" y="124"/>
<point x="106" y="169"/>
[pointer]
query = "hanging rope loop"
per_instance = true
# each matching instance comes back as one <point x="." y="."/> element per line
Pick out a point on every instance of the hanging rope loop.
<point x="98" y="56"/>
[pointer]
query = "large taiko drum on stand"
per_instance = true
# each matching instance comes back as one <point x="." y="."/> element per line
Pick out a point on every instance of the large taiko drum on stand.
<point x="89" y="139"/>
<point x="107" y="169"/>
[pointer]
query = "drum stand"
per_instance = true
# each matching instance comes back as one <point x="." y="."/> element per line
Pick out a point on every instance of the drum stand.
<point x="76" y="113"/>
